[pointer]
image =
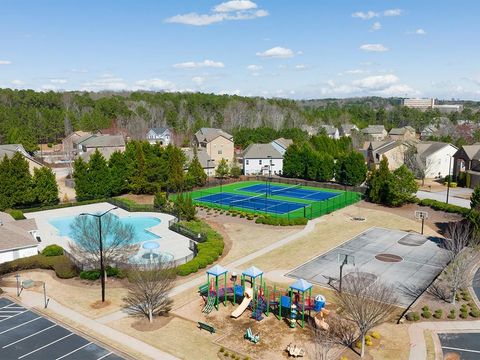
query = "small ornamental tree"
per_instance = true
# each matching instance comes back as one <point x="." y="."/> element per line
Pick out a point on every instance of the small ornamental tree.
<point x="196" y="176"/>
<point x="222" y="170"/>
<point x="235" y="170"/>
<point x="475" y="199"/>
<point x="404" y="187"/>
<point x="161" y="203"/>
<point x="379" y="183"/>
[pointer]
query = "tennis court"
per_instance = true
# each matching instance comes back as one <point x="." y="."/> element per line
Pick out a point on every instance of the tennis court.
<point x="296" y="191"/>
<point x="275" y="199"/>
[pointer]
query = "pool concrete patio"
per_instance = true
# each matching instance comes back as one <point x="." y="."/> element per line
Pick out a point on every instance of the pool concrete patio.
<point x="170" y="241"/>
<point x="408" y="262"/>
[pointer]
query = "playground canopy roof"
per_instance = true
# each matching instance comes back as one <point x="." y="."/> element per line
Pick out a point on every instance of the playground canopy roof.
<point x="217" y="270"/>
<point x="252" y="272"/>
<point x="301" y="285"/>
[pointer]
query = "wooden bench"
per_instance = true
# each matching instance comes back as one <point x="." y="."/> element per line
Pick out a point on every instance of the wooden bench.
<point x="207" y="327"/>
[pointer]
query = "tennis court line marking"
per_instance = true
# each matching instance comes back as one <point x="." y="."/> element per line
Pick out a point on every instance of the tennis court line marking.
<point x="44" y="346"/>
<point x="104" y="356"/>
<point x="459" y="349"/>
<point x="29" y="336"/>
<point x="71" y="352"/>
<point x="14" y="315"/>
<point x="10" y="305"/>
<point x="25" y="323"/>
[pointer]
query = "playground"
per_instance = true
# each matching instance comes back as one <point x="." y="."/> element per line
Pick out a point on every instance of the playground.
<point x="407" y="261"/>
<point x="279" y="200"/>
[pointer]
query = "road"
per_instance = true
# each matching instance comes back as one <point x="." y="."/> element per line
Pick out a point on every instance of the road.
<point x="442" y="195"/>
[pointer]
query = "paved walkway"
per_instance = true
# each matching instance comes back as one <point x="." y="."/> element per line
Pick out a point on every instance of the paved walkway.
<point x="32" y="299"/>
<point x="197" y="281"/>
<point x="442" y="195"/>
<point x="418" y="349"/>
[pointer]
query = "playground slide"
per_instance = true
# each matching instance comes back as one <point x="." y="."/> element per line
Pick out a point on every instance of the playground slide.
<point x="247" y="298"/>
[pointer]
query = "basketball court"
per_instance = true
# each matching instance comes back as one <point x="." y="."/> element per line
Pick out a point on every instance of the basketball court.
<point x="407" y="261"/>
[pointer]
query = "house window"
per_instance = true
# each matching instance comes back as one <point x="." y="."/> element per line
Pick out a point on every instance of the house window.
<point x="259" y="162"/>
<point x="246" y="161"/>
<point x="219" y="152"/>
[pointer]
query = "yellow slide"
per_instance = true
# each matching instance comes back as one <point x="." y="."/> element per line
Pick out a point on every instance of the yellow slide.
<point x="247" y="297"/>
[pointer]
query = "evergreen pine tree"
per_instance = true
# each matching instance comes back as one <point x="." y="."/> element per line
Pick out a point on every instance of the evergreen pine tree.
<point x="222" y="169"/>
<point x="176" y="179"/>
<point x="21" y="180"/>
<point x="118" y="173"/>
<point x="82" y="187"/>
<point x="6" y="184"/>
<point x="196" y="176"/>
<point x="475" y="199"/>
<point x="98" y="176"/>
<point x="45" y="186"/>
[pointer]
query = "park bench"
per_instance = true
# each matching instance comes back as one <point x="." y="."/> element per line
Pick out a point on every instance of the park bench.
<point x="207" y="327"/>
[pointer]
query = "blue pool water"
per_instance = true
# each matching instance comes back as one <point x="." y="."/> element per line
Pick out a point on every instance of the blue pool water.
<point x="139" y="224"/>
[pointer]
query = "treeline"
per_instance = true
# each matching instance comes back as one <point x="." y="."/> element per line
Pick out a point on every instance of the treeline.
<point x="142" y="169"/>
<point x="263" y="135"/>
<point x="325" y="159"/>
<point x="18" y="188"/>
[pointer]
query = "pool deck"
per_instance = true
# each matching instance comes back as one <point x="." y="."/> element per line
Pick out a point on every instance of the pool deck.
<point x="169" y="241"/>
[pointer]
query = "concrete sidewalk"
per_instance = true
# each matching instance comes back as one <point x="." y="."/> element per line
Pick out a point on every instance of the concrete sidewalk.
<point x="442" y="196"/>
<point x="32" y="299"/>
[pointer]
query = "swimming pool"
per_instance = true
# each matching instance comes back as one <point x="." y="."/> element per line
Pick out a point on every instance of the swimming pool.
<point x="140" y="224"/>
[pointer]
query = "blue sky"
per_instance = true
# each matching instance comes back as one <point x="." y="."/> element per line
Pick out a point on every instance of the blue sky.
<point x="277" y="48"/>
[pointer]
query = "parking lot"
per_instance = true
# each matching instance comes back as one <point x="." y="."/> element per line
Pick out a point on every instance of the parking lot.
<point x="27" y="335"/>
<point x="465" y="346"/>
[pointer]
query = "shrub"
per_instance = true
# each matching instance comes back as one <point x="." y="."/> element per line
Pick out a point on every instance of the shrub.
<point x="452" y="314"/>
<point x="475" y="313"/>
<point x="426" y="314"/>
<point x="368" y="338"/>
<point x="15" y="213"/>
<point x="90" y="275"/>
<point x="441" y="206"/>
<point x="425" y="308"/>
<point x="62" y="266"/>
<point x="466" y="296"/>
<point x="52" y="250"/>
<point x="463" y="314"/>
<point x="438" y="314"/>
<point x="222" y="349"/>
<point x="412" y="316"/>
<point x="358" y="344"/>
<point x="115" y="272"/>
<point x="464" y="307"/>
<point x="375" y="335"/>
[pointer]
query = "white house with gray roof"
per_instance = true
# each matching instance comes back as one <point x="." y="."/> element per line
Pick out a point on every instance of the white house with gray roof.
<point x="9" y="150"/>
<point x="160" y="135"/>
<point x="281" y="144"/>
<point x="262" y="159"/>
<point x="375" y="132"/>
<point x="16" y="238"/>
<point x="436" y="158"/>
<point x="331" y="131"/>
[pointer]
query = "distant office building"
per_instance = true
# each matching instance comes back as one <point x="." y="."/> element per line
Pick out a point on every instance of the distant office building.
<point x="417" y="103"/>
<point x="449" y="108"/>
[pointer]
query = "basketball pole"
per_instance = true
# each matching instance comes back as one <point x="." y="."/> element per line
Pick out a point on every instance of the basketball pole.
<point x="423" y="221"/>
<point x="341" y="272"/>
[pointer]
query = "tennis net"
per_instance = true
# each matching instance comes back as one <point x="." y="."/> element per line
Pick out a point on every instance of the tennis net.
<point x="239" y="203"/>
<point x="285" y="189"/>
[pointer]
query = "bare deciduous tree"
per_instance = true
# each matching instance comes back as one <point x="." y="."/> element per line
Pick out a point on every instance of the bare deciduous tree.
<point x="456" y="273"/>
<point x="149" y="288"/>
<point x="340" y="332"/>
<point x="364" y="303"/>
<point x="416" y="163"/>
<point x="118" y="240"/>
<point x="458" y="236"/>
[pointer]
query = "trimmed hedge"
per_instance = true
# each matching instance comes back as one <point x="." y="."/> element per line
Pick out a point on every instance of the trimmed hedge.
<point x="62" y="266"/>
<point x="412" y="316"/>
<point x="268" y="220"/>
<point x="441" y="206"/>
<point x="95" y="274"/>
<point x="15" y="213"/>
<point x="63" y="205"/>
<point x="208" y="251"/>
<point x="52" y="250"/>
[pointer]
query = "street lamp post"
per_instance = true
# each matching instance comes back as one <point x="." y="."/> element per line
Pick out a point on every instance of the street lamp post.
<point x="18" y="284"/>
<point x="208" y="171"/>
<point x="449" y="178"/>
<point x="102" y="267"/>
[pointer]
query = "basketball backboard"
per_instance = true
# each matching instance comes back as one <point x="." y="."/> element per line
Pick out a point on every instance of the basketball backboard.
<point x="421" y="215"/>
<point x="346" y="259"/>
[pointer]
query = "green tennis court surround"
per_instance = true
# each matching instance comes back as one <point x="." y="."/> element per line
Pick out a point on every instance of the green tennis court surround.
<point x="274" y="199"/>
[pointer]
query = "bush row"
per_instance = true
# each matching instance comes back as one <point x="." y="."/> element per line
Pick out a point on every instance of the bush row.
<point x="441" y="206"/>
<point x="63" y="205"/>
<point x="60" y="264"/>
<point x="208" y="251"/>
<point x="269" y="220"/>
<point x="15" y="213"/>
<point x="52" y="250"/>
<point x="95" y="274"/>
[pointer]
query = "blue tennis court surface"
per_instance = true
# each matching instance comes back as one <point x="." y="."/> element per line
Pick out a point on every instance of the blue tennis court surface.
<point x="260" y="203"/>
<point x="293" y="192"/>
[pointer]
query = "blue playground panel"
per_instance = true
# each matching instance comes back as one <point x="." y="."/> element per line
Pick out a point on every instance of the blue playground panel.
<point x="299" y="193"/>
<point x="258" y="204"/>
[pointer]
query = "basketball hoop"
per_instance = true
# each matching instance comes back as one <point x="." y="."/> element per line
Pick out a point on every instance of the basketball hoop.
<point x="421" y="215"/>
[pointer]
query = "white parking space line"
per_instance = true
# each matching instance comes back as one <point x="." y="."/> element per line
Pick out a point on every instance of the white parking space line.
<point x="44" y="346"/>
<point x="29" y="336"/>
<point x="3" y="332"/>
<point x="458" y="349"/>
<point x="71" y="352"/>
<point x="18" y="306"/>
<point x="104" y="356"/>
<point x="14" y="315"/>
<point x="9" y="311"/>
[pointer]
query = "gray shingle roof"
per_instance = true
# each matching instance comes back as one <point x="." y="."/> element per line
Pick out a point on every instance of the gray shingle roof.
<point x="209" y="134"/>
<point x="347" y="128"/>
<point x="261" y="151"/>
<point x="402" y="130"/>
<point x="284" y="143"/>
<point x="202" y="157"/>
<point x="329" y="129"/>
<point x="11" y="149"/>
<point x="159" y="130"/>
<point x="14" y="234"/>
<point x="374" y="129"/>
<point x="425" y="149"/>
<point x="99" y="141"/>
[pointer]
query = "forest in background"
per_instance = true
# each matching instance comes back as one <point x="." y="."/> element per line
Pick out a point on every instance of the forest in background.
<point x="29" y="117"/>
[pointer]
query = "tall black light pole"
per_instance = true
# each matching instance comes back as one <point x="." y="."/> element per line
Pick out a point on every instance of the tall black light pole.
<point x="208" y="171"/>
<point x="269" y="174"/>
<point x="102" y="267"/>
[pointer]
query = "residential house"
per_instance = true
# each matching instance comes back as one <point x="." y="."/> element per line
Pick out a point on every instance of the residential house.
<point x="393" y="150"/>
<point x="10" y="149"/>
<point x="17" y="238"/>
<point x="217" y="143"/>
<point x="403" y="133"/>
<point x="467" y="160"/>
<point x="106" y="144"/>
<point x="436" y="158"/>
<point x="309" y="129"/>
<point x="281" y="144"/>
<point x="68" y="142"/>
<point x="207" y="163"/>
<point x="429" y="131"/>
<point x="262" y="159"/>
<point x="160" y="135"/>
<point x="346" y="129"/>
<point x="331" y="131"/>
<point x="375" y="132"/>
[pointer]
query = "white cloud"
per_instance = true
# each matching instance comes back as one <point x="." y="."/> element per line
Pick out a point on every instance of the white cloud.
<point x="235" y="5"/>
<point x="376" y="26"/>
<point x="229" y="92"/>
<point x="230" y="10"/>
<point x="48" y="87"/>
<point x="365" y="15"/>
<point x="5" y="62"/>
<point x="81" y="71"/>
<point x="376" y="82"/>
<point x="373" y="47"/>
<point x="398" y="90"/>
<point x="301" y="67"/>
<point x="254" y="67"/>
<point x="17" y="82"/>
<point x="355" y="71"/>
<point x="195" y="65"/>
<point x="276" y="52"/>
<point x="198" y="80"/>
<point x="153" y="84"/>
<point x="393" y="12"/>
<point x="420" y="31"/>
<point x="58" y="81"/>
<point x="105" y="82"/>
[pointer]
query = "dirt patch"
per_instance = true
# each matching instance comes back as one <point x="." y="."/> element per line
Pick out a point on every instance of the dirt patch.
<point x="100" y="304"/>
<point x="140" y="199"/>
<point x="157" y="323"/>
<point x="451" y="356"/>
